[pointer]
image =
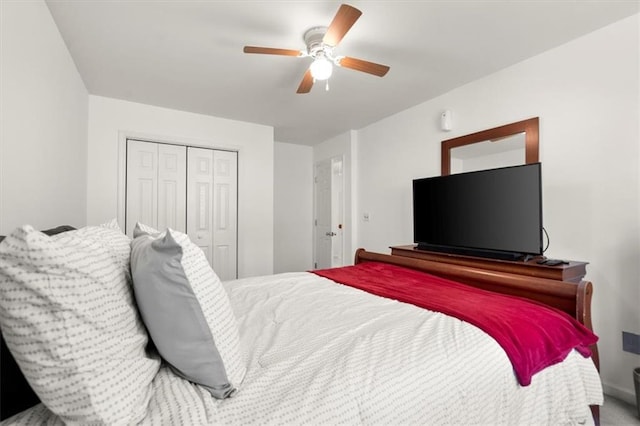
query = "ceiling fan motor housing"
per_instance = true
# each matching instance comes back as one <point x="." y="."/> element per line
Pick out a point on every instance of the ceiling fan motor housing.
<point x="313" y="39"/>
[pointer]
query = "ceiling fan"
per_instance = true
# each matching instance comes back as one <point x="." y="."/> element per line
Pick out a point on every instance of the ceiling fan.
<point x="320" y="43"/>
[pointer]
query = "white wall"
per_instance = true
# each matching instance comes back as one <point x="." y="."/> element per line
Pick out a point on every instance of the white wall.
<point x="110" y="118"/>
<point x="586" y="94"/>
<point x="344" y="146"/>
<point x="293" y="208"/>
<point x="43" y="111"/>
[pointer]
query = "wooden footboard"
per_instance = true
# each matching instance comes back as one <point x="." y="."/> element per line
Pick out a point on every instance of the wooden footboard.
<point x="570" y="297"/>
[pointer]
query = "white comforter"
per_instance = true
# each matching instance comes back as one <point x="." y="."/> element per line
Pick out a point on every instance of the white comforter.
<point x="323" y="353"/>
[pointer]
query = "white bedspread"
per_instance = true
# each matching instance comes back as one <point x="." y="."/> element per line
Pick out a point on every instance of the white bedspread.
<point x="322" y="353"/>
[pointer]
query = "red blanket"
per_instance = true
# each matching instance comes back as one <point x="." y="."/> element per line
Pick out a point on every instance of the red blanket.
<point x="533" y="336"/>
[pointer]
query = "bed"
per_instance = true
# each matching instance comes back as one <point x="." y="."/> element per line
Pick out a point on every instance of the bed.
<point x="313" y="350"/>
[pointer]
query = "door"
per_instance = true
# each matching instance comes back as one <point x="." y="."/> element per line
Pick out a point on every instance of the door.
<point x="191" y="190"/>
<point x="212" y="207"/>
<point x="200" y="199"/>
<point x="225" y="214"/>
<point x="337" y="213"/>
<point x="323" y="231"/>
<point x="156" y="185"/>
<point x="172" y="187"/>
<point x="329" y="213"/>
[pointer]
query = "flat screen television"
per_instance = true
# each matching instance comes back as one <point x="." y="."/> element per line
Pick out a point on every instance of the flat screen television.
<point x="494" y="213"/>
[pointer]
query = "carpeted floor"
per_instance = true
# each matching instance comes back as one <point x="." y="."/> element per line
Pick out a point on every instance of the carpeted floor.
<point x="615" y="412"/>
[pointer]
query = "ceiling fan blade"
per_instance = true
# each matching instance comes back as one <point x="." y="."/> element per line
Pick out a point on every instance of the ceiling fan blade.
<point x="364" y="66"/>
<point x="306" y="83"/>
<point x="272" y="51"/>
<point x="342" y="22"/>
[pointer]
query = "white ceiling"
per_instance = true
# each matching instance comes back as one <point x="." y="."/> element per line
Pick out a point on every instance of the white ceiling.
<point x="187" y="54"/>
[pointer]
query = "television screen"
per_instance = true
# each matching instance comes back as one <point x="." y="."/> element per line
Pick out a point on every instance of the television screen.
<point x="493" y="213"/>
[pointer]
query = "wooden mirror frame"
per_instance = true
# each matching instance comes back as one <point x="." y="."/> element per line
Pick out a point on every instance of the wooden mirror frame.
<point x="530" y="128"/>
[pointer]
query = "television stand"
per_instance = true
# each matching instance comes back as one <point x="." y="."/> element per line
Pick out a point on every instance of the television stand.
<point x="573" y="271"/>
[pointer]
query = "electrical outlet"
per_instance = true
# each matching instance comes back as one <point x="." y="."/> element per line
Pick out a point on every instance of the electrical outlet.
<point x="365" y="217"/>
<point x="631" y="342"/>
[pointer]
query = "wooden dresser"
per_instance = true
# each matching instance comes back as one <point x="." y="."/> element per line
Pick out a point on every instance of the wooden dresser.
<point x="574" y="271"/>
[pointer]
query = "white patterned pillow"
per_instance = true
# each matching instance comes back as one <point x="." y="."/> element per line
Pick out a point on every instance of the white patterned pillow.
<point x="186" y="310"/>
<point x="68" y="317"/>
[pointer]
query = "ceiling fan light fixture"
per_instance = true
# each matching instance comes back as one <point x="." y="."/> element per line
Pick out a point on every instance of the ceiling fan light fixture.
<point x="320" y="43"/>
<point x="321" y="68"/>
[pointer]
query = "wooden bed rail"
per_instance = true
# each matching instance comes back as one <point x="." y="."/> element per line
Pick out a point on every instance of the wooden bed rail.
<point x="572" y="298"/>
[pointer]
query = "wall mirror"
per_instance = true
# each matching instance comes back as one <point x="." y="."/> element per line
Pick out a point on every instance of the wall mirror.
<point x="508" y="145"/>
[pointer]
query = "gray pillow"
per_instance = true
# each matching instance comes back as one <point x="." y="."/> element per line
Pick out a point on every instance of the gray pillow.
<point x="200" y="341"/>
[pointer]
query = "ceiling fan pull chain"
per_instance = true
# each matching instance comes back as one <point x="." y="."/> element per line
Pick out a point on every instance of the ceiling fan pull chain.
<point x="327" y="86"/>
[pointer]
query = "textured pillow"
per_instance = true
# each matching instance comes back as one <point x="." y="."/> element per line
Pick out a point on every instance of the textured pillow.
<point x="186" y="310"/>
<point x="67" y="315"/>
<point x="16" y="394"/>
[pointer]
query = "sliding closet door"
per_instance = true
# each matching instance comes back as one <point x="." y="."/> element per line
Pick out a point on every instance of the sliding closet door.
<point x="192" y="190"/>
<point x="200" y="199"/>
<point x="156" y="185"/>
<point x="225" y="213"/>
<point x="142" y="184"/>
<point x="212" y="207"/>
<point x="172" y="187"/>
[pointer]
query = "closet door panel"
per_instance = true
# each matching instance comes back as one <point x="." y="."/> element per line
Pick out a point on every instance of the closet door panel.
<point x="142" y="184"/>
<point x="172" y="187"/>
<point x="200" y="198"/>
<point x="225" y="215"/>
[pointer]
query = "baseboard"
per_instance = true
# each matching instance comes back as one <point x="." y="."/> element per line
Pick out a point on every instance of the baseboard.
<point x="622" y="394"/>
